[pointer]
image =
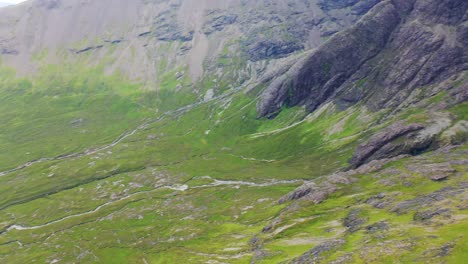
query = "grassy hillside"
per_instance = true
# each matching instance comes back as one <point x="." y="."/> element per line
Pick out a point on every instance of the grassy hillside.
<point x="202" y="182"/>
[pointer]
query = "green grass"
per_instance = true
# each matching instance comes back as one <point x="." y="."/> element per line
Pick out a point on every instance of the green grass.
<point x="222" y="139"/>
<point x="56" y="115"/>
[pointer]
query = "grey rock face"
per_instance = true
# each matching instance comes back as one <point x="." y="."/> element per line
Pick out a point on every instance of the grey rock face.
<point x="202" y="30"/>
<point x="168" y="29"/>
<point x="271" y="48"/>
<point x="310" y="192"/>
<point x="277" y="30"/>
<point x="317" y="77"/>
<point x="298" y="193"/>
<point x="217" y="22"/>
<point x="380" y="144"/>
<point x="397" y="47"/>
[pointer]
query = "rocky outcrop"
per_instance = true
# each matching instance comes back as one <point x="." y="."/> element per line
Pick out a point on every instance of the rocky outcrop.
<point x="169" y="29"/>
<point x="217" y="21"/>
<point x="310" y="192"/>
<point x="313" y="255"/>
<point x="397" y="47"/>
<point x="429" y="199"/>
<point x="271" y="48"/>
<point x="353" y="221"/>
<point x="382" y="144"/>
<point x="317" y="77"/>
<point x="319" y="190"/>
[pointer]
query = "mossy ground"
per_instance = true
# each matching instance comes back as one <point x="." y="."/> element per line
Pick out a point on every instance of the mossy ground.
<point x="192" y="185"/>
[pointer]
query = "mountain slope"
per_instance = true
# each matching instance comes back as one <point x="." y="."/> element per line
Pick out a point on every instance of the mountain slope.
<point x="134" y="33"/>
<point x="233" y="131"/>
<point x="417" y="46"/>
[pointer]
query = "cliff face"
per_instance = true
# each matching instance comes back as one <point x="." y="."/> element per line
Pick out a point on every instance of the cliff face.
<point x="398" y="47"/>
<point x="130" y="35"/>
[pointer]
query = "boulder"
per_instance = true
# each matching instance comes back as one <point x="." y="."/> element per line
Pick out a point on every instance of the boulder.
<point x="378" y="146"/>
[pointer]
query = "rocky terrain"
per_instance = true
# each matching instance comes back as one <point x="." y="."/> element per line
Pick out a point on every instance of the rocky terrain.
<point x="413" y="44"/>
<point x="265" y="131"/>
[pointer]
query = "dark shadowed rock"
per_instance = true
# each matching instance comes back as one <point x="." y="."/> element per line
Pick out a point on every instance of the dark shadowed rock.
<point x="378" y="145"/>
<point x="298" y="193"/>
<point x="353" y="221"/>
<point x="311" y="192"/>
<point x="408" y="45"/>
<point x="168" y="28"/>
<point x="272" y="48"/>
<point x="87" y="49"/>
<point x="316" y="77"/>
